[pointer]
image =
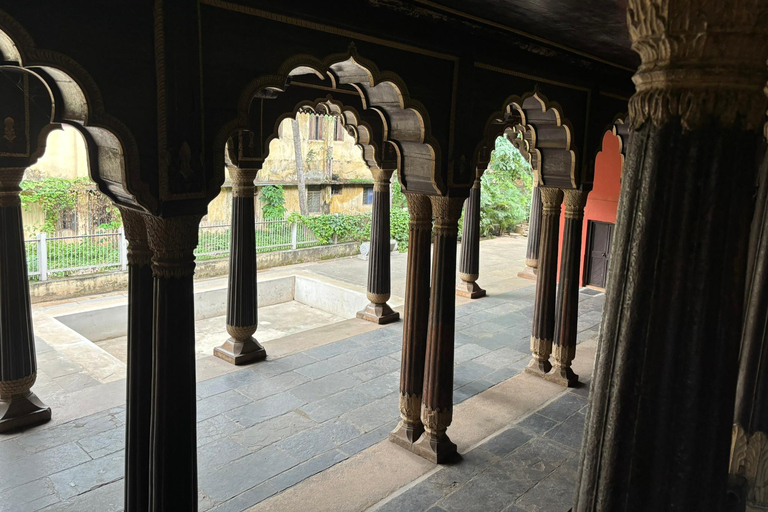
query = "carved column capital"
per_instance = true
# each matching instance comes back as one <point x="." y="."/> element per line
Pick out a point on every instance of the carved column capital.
<point x="551" y="199"/>
<point x="173" y="241"/>
<point x="700" y="58"/>
<point x="10" y="179"/>
<point x="242" y="181"/>
<point x="139" y="253"/>
<point x="420" y="210"/>
<point x="575" y="200"/>
<point x="381" y="179"/>
<point x="447" y="211"/>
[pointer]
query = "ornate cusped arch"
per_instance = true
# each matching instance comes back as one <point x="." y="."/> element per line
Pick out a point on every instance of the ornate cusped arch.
<point x="538" y="128"/>
<point x="392" y="129"/>
<point x="76" y="101"/>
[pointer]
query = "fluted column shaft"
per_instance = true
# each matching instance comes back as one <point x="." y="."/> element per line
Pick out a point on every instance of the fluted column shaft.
<point x="415" y="320"/>
<point x="543" y="327"/>
<point x="567" y="309"/>
<point x="379" y="274"/>
<point x="242" y="293"/>
<point x="469" y="267"/>
<point x="534" y="230"/>
<point x="19" y="407"/>
<point x="173" y="447"/>
<point x="139" y="378"/>
<point x="437" y="399"/>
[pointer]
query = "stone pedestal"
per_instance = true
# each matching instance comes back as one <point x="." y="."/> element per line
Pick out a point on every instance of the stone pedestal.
<point x="139" y="378"/>
<point x="534" y="237"/>
<point x="173" y="447"/>
<point x="242" y="305"/>
<point x="379" y="274"/>
<point x="437" y="399"/>
<point x="543" y="327"/>
<point x="469" y="268"/>
<point x="567" y="311"/>
<point x="415" y="321"/>
<point x="19" y="407"/>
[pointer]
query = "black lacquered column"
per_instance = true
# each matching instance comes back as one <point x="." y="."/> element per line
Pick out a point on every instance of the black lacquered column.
<point x="658" y="430"/>
<point x="139" y="378"/>
<point x="567" y="309"/>
<point x="534" y="236"/>
<point x="543" y="327"/>
<point x="173" y="447"/>
<point x="437" y="398"/>
<point x="19" y="407"/>
<point x="469" y="266"/>
<point x="379" y="274"/>
<point x="242" y="299"/>
<point x="415" y="321"/>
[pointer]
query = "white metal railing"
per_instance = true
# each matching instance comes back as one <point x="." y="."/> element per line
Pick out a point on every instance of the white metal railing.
<point x="60" y="256"/>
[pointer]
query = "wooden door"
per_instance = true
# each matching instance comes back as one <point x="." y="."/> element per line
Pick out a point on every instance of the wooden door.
<point x="599" y="237"/>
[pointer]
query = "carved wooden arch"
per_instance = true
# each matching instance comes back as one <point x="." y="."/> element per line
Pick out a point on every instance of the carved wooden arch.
<point x="621" y="129"/>
<point x="547" y="134"/>
<point x="405" y="125"/>
<point x="113" y="155"/>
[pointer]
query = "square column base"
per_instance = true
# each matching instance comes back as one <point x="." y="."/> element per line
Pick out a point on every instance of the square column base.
<point x="528" y="273"/>
<point x="240" y="352"/>
<point x="563" y="376"/>
<point x="538" y="368"/>
<point x="405" y="435"/>
<point x="22" y="411"/>
<point x="469" y="290"/>
<point x="379" y="314"/>
<point x="435" y="449"/>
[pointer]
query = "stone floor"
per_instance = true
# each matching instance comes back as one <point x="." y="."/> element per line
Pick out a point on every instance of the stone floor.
<point x="276" y="435"/>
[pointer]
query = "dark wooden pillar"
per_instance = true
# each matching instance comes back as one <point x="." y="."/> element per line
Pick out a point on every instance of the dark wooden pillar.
<point x="658" y="431"/>
<point x="173" y="447"/>
<point x="139" y="378"/>
<point x="567" y="308"/>
<point x="749" y="447"/>
<point x="543" y="328"/>
<point x="469" y="268"/>
<point x="19" y="407"/>
<point x="437" y="398"/>
<point x="534" y="236"/>
<point x="379" y="280"/>
<point x="415" y="321"/>
<point x="242" y="299"/>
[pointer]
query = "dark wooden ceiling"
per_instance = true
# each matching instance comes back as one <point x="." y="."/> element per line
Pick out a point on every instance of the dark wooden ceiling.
<point x="594" y="27"/>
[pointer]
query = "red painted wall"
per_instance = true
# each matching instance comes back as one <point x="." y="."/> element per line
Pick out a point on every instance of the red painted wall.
<point x="603" y="200"/>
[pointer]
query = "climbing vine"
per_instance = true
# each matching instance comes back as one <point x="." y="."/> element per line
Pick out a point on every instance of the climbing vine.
<point x="273" y="202"/>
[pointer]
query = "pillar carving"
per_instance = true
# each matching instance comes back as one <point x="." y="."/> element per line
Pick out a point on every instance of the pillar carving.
<point x="415" y="321"/>
<point x="437" y="398"/>
<point x="567" y="303"/>
<point x="543" y="327"/>
<point x="242" y="298"/>
<point x="534" y="236"/>
<point x="659" y="427"/>
<point x="469" y="268"/>
<point x="173" y="447"/>
<point x="19" y="406"/>
<point x="139" y="378"/>
<point x="379" y="274"/>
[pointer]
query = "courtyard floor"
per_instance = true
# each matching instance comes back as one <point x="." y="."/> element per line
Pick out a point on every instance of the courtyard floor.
<point x="306" y="430"/>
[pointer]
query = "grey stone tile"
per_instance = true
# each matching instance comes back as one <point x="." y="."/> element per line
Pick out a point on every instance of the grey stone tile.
<point x="273" y="385"/>
<point x="333" y="349"/>
<point x="272" y="367"/>
<point x="535" y="460"/>
<point x="329" y="366"/>
<point x="368" y="439"/>
<point x="436" y="509"/>
<point x="506" y="442"/>
<point x="380" y="386"/>
<point x="470" y="390"/>
<point x="375" y="414"/>
<point x="41" y="464"/>
<point x="227" y="382"/>
<point x="336" y="405"/>
<point x="373" y="368"/>
<point x="467" y="352"/>
<point x="273" y="430"/>
<point x="56" y="365"/>
<point x="104" y="443"/>
<point x="452" y="477"/>
<point x="218" y="453"/>
<point x="75" y="381"/>
<point x="310" y="443"/>
<point x="504" y="373"/>
<point x="247" y="499"/>
<point x="41" y="347"/>
<point x="494" y="341"/>
<point x="465" y="373"/>
<point x="217" y="404"/>
<point x="563" y="407"/>
<point x="245" y="473"/>
<point x="48" y="437"/>
<point x="216" y="428"/>
<point x="90" y="475"/>
<point x="491" y="491"/>
<point x="306" y="469"/>
<point x="268" y="408"/>
<point x="556" y="492"/>
<point x="324" y="387"/>
<point x="570" y="432"/>
<point x="29" y="497"/>
<point x="537" y="424"/>
<point x="418" y="498"/>
<point x="107" y="498"/>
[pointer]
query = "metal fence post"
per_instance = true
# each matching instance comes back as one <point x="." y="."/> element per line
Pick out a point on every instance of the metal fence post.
<point x="122" y="249"/>
<point x="42" y="256"/>
<point x="335" y="238"/>
<point x="294" y="235"/>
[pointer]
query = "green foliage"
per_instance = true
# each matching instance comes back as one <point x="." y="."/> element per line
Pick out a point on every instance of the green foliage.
<point x="399" y="219"/>
<point x="505" y="196"/>
<point x="273" y="199"/>
<point x="347" y="227"/>
<point x="398" y="198"/>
